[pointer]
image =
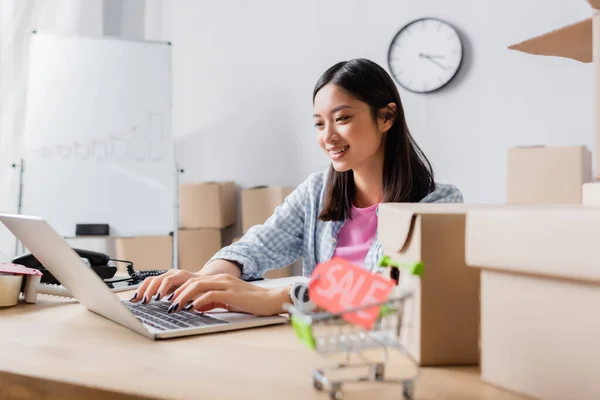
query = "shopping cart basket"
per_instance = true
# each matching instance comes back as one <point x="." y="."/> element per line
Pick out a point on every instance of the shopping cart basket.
<point x="330" y="333"/>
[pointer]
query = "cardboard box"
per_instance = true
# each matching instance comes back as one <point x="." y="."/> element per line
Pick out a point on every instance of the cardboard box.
<point x="581" y="42"/>
<point x="441" y="321"/>
<point x="197" y="246"/>
<point x="207" y="205"/>
<point x="146" y="252"/>
<point x="540" y="291"/>
<point x="259" y="203"/>
<point x="548" y="175"/>
<point x="286" y="271"/>
<point x="590" y="194"/>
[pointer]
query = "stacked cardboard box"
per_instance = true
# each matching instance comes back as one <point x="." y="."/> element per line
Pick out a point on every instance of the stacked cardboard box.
<point x="539" y="263"/>
<point x="540" y="290"/>
<point x="145" y="252"/>
<point x="196" y="247"/>
<point x="548" y="175"/>
<point x="209" y="205"/>
<point x="580" y="42"/>
<point x="258" y="204"/>
<point x="206" y="208"/>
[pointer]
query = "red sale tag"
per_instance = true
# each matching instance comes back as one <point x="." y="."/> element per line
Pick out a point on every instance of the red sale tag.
<point x="339" y="285"/>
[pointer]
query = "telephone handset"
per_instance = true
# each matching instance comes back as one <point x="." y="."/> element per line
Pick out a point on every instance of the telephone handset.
<point x="99" y="262"/>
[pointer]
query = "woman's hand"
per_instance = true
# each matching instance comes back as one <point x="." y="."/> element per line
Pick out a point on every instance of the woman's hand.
<point x="203" y="293"/>
<point x="217" y="285"/>
<point x="159" y="286"/>
<point x="162" y="285"/>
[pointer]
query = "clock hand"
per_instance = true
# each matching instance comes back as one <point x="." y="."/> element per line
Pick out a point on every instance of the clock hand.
<point x="425" y="55"/>
<point x="433" y="61"/>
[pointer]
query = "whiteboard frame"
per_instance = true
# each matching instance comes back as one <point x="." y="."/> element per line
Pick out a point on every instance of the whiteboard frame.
<point x="173" y="230"/>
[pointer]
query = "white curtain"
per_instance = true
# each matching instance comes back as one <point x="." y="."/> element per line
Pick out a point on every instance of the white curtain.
<point x="18" y="18"/>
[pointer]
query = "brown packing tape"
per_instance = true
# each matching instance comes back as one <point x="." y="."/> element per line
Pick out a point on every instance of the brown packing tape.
<point x="10" y="287"/>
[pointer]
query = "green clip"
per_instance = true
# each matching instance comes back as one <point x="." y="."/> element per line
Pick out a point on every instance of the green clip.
<point x="385" y="310"/>
<point x="303" y="331"/>
<point x="415" y="268"/>
<point x="384" y="261"/>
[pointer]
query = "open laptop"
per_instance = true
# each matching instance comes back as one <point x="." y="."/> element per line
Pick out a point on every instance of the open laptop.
<point x="150" y="320"/>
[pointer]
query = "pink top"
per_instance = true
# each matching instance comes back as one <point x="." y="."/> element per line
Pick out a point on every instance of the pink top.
<point x="356" y="236"/>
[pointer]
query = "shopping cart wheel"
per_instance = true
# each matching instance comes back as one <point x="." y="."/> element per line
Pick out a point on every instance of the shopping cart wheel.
<point x="336" y="392"/>
<point x="379" y="371"/>
<point x="318" y="385"/>
<point x="317" y="380"/>
<point x="408" y="387"/>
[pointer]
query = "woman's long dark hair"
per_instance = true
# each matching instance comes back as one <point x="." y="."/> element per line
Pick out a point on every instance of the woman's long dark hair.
<point x="407" y="173"/>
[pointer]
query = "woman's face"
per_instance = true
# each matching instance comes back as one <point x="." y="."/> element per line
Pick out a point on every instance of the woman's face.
<point x="348" y="133"/>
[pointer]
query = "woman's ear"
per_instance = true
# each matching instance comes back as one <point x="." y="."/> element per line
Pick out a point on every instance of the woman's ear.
<point x="387" y="117"/>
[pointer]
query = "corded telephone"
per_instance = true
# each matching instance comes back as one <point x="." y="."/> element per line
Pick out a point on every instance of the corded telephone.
<point x="99" y="262"/>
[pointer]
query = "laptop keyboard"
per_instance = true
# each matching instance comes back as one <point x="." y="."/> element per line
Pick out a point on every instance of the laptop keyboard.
<point x="155" y="315"/>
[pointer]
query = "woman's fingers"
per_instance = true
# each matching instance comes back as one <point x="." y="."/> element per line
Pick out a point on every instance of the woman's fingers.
<point x="153" y="288"/>
<point x="195" y="287"/>
<point x="220" y="279"/>
<point x="139" y="294"/>
<point x="169" y="282"/>
<point x="210" y="300"/>
<point x="160" y="284"/>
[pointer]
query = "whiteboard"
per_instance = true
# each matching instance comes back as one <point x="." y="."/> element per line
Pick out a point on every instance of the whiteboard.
<point x="98" y="145"/>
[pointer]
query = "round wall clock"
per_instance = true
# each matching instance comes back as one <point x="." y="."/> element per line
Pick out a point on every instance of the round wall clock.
<point x="425" y="55"/>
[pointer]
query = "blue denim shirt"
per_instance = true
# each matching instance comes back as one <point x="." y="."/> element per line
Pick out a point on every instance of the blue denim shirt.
<point x="294" y="231"/>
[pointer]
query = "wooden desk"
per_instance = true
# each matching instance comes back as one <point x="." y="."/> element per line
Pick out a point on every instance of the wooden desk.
<point x="57" y="349"/>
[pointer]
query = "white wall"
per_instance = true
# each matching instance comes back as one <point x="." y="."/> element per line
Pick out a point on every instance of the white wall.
<point x="244" y="72"/>
<point x="17" y="20"/>
<point x="243" y="75"/>
<point x="124" y="18"/>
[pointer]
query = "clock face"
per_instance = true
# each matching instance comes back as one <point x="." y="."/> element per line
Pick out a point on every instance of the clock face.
<point x="425" y="55"/>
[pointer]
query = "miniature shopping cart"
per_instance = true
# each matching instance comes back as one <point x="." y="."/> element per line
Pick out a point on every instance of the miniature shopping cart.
<point x="330" y="333"/>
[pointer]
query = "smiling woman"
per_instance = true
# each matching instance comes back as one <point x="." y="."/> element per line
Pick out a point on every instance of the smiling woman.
<point x="365" y="116"/>
<point x="361" y="127"/>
